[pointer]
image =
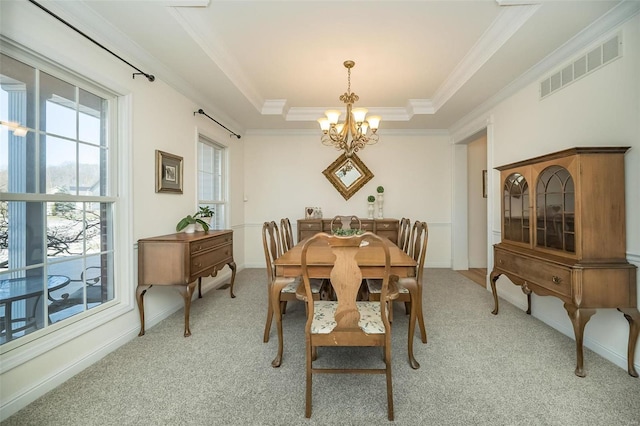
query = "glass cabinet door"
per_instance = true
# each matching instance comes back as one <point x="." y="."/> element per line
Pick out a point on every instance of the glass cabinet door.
<point x="516" y="208"/>
<point x="555" y="210"/>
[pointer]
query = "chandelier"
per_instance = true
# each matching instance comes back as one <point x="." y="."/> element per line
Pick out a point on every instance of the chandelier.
<point x="356" y="131"/>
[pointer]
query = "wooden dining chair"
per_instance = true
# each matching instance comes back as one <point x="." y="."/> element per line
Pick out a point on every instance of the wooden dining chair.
<point x="346" y="223"/>
<point x="286" y="234"/>
<point x="410" y="288"/>
<point x="280" y="290"/>
<point x="347" y="322"/>
<point x="404" y="234"/>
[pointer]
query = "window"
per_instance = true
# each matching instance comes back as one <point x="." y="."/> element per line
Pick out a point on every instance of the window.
<point x="56" y="202"/>
<point x="212" y="190"/>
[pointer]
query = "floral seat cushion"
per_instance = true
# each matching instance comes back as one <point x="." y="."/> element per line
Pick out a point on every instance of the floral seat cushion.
<point x="324" y="317"/>
<point x="375" y="286"/>
<point x="316" y="284"/>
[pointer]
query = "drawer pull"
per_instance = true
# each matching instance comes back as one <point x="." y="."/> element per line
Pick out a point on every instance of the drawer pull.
<point x="385" y="225"/>
<point x="199" y="247"/>
<point x="198" y="264"/>
<point x="501" y="261"/>
<point x="308" y="225"/>
<point x="556" y="280"/>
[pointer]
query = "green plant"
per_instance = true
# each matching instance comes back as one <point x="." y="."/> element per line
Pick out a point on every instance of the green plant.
<point x="380" y="189"/>
<point x="371" y="198"/>
<point x="347" y="232"/>
<point x="190" y="220"/>
<point x="205" y="211"/>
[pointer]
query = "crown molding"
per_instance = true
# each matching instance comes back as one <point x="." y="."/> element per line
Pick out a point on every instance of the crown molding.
<point x="509" y="20"/>
<point x="275" y="107"/>
<point x="203" y="36"/>
<point x="606" y="24"/>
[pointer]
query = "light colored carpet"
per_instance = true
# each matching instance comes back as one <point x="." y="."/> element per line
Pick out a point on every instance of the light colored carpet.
<point x="477" y="369"/>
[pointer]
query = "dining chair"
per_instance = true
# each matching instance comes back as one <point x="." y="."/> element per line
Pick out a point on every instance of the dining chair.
<point x="346" y="223"/>
<point x="281" y="290"/>
<point x="410" y="288"/>
<point x="404" y="234"/>
<point x="347" y="321"/>
<point x="286" y="234"/>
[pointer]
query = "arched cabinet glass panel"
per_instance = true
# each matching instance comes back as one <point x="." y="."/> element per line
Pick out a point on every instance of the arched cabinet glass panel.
<point x="516" y="208"/>
<point x="555" y="210"/>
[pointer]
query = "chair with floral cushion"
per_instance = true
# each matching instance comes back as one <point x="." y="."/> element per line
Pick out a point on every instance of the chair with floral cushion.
<point x="345" y="223"/>
<point x="281" y="290"/>
<point x="286" y="234"/>
<point x="404" y="234"/>
<point x="410" y="288"/>
<point x="347" y="321"/>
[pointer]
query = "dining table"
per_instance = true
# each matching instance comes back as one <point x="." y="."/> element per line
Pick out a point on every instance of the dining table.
<point x="320" y="260"/>
<point x="23" y="288"/>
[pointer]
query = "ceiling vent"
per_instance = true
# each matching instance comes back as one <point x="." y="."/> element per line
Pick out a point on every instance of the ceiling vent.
<point x="594" y="59"/>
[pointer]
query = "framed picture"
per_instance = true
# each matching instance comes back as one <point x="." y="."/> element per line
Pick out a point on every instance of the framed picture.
<point x="484" y="184"/>
<point x="168" y="172"/>
<point x="309" y="212"/>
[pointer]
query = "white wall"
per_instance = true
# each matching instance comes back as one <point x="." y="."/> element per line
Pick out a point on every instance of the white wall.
<point x="602" y="108"/>
<point x="283" y="175"/>
<point x="157" y="118"/>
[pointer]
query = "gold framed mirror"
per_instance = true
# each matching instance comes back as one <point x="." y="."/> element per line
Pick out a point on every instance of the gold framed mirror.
<point x="348" y="175"/>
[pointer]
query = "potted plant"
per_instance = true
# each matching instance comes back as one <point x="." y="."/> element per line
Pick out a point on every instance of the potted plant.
<point x="380" y="191"/>
<point x="188" y="224"/>
<point x="371" y="199"/>
<point x="206" y="213"/>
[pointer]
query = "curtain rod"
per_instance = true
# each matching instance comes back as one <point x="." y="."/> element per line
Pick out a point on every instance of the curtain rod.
<point x="149" y="77"/>
<point x="201" y="111"/>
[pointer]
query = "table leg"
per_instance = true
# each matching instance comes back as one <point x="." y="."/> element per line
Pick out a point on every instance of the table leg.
<point x="232" y="265"/>
<point x="140" y="291"/>
<point x="199" y="287"/>
<point x="493" y="278"/>
<point x="579" y="318"/>
<point x="633" y="316"/>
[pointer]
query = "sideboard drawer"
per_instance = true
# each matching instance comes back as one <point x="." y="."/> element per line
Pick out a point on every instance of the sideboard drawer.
<point x="202" y="245"/>
<point x="311" y="226"/>
<point x="367" y="226"/>
<point x="552" y="277"/>
<point x="212" y="258"/>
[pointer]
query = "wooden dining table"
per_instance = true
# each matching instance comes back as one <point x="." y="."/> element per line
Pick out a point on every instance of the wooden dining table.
<point x="320" y="261"/>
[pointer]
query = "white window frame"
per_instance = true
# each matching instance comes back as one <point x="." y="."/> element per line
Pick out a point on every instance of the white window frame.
<point x="223" y="202"/>
<point x="119" y="193"/>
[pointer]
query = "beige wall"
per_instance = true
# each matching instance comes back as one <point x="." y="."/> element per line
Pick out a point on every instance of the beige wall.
<point x="283" y="175"/>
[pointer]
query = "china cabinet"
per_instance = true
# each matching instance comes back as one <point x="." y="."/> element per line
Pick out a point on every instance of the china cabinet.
<point x="563" y="235"/>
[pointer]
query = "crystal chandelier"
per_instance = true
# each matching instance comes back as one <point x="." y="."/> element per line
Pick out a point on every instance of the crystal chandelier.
<point x="357" y="131"/>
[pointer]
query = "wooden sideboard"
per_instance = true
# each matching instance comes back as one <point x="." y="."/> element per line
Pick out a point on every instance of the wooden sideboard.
<point x="178" y="260"/>
<point x="384" y="227"/>
<point x="563" y="235"/>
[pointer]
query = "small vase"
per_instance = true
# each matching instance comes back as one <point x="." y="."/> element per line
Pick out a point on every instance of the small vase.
<point x="371" y="209"/>
<point x="380" y="202"/>
<point x="190" y="229"/>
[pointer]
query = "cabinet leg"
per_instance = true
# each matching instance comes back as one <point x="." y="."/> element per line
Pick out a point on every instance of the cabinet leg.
<point x="140" y="291"/>
<point x="579" y="318"/>
<point x="633" y="316"/>
<point x="187" y="292"/>
<point x="494" y="277"/>
<point x="232" y="265"/>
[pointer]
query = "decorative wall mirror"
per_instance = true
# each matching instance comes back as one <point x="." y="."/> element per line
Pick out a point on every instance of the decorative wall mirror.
<point x="348" y="175"/>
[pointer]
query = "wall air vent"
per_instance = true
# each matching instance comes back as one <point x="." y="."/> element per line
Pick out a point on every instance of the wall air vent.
<point x="595" y="58"/>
